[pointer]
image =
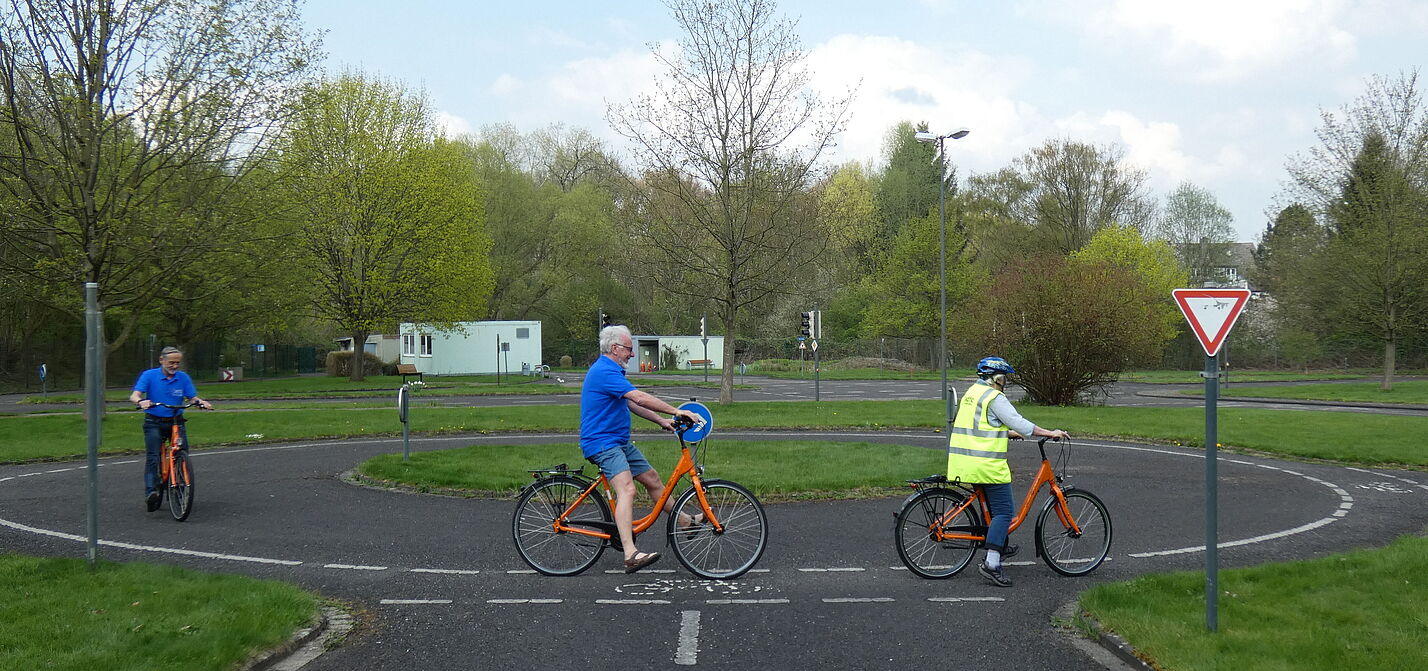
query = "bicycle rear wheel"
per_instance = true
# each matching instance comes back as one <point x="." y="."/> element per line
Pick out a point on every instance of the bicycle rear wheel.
<point x="541" y="545"/>
<point x="719" y="555"/>
<point x="180" y="489"/>
<point x="917" y="543"/>
<point x="1074" y="554"/>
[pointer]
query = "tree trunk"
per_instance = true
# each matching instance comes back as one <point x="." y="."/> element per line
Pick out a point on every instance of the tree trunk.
<point x="726" y="381"/>
<point x="1390" y="351"/>
<point x="359" y="347"/>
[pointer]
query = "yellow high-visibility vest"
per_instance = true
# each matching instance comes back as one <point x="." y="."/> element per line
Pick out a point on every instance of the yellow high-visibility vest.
<point x="977" y="449"/>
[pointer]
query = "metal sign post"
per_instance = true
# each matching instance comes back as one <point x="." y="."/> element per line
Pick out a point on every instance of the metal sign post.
<point x="704" y="336"/>
<point x="1211" y="313"/>
<point x="94" y="406"/>
<point x="403" y="406"/>
<point x="817" y="396"/>
<point x="44" y="386"/>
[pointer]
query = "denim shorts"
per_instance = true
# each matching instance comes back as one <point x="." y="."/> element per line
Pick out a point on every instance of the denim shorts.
<point x="617" y="460"/>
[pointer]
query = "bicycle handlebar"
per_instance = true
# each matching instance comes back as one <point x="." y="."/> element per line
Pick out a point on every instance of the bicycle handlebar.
<point x="190" y="404"/>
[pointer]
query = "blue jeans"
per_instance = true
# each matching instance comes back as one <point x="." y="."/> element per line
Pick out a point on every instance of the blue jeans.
<point x="156" y="429"/>
<point x="999" y="502"/>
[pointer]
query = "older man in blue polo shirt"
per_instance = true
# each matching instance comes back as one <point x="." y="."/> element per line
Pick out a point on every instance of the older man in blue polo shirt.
<point x="606" y="400"/>
<point x="165" y="384"/>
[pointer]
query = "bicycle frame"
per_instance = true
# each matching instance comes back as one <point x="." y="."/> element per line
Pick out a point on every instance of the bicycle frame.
<point x="686" y="465"/>
<point x="170" y="448"/>
<point x="1045" y="475"/>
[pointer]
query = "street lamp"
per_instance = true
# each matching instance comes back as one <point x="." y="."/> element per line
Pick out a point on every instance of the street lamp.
<point x="927" y="136"/>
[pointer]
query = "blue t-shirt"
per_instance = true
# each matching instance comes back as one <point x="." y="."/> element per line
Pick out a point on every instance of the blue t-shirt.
<point x="604" y="416"/>
<point x="160" y="389"/>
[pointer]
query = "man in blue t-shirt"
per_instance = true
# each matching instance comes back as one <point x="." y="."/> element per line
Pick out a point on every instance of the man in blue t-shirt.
<point x="606" y="400"/>
<point x="165" y="384"/>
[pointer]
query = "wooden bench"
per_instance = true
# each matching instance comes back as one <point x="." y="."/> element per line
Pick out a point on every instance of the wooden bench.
<point x="407" y="370"/>
<point x="698" y="362"/>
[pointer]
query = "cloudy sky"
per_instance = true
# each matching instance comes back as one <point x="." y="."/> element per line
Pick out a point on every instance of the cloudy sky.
<point x="1216" y="92"/>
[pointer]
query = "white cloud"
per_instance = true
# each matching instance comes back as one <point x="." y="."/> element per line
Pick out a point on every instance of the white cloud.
<point x="452" y="126"/>
<point x="1223" y="40"/>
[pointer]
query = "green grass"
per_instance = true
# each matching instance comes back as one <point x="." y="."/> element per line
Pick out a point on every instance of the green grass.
<point x="1248" y="375"/>
<point x="1359" y="610"/>
<point x="1404" y="391"/>
<point x="59" y="614"/>
<point x="1365" y="439"/>
<point x="774" y="470"/>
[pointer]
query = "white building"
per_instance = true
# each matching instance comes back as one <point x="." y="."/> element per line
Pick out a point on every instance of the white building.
<point x="472" y="348"/>
<point x="384" y="346"/>
<point x="651" y="352"/>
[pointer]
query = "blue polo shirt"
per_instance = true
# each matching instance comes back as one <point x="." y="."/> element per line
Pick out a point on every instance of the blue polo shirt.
<point x="604" y="416"/>
<point x="160" y="389"/>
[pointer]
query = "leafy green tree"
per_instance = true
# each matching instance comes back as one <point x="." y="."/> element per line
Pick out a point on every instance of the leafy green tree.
<point x="1367" y="179"/>
<point x="1200" y="231"/>
<point x="116" y="114"/>
<point x="907" y="187"/>
<point x="727" y="149"/>
<point x="393" y="224"/>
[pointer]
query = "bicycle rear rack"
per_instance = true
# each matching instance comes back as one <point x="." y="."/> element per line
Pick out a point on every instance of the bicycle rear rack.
<point x="558" y="469"/>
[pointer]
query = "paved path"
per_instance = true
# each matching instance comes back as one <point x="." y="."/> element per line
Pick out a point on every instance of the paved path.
<point x="442" y="586"/>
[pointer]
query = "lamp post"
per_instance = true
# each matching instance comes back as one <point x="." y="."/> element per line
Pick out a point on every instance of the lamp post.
<point x="927" y="136"/>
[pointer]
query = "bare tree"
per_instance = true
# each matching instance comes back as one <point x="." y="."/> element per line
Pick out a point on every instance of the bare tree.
<point x="727" y="147"/>
<point x="1198" y="229"/>
<point x="116" y="113"/>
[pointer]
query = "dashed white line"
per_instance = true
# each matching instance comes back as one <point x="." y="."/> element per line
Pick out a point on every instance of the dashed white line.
<point x="959" y="599"/>
<point x="726" y="602"/>
<point x="521" y="571"/>
<point x="448" y="571"/>
<point x="355" y="567"/>
<point x="413" y="602"/>
<point x="687" y="653"/>
<point x="520" y="601"/>
<point x="874" y="599"/>
<point x="648" y="570"/>
<point x="831" y="570"/>
<point x="632" y="602"/>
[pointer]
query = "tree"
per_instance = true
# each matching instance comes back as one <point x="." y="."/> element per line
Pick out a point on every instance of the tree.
<point x="727" y="146"/>
<point x="393" y="226"/>
<point x="1368" y="178"/>
<point x="1059" y="195"/>
<point x="1071" y="325"/>
<point x="117" y="112"/>
<point x="907" y="188"/>
<point x="1199" y="229"/>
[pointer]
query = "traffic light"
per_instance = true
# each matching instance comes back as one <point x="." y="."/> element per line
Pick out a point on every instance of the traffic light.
<point x="804" y="324"/>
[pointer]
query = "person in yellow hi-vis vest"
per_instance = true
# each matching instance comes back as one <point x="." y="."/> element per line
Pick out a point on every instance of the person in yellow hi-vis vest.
<point x="977" y="454"/>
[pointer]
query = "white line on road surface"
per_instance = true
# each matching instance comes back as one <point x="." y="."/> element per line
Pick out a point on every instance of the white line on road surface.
<point x="875" y="599"/>
<point x="632" y="602"/>
<point x="958" y="599"/>
<point x="148" y="548"/>
<point x="726" y="602"/>
<point x="355" y="567"/>
<point x="1278" y="534"/>
<point x="516" y="601"/>
<point x="687" y="653"/>
<point x="648" y="570"/>
<point x="413" y="602"/>
<point x="831" y="570"/>
<point x="450" y="571"/>
<point x="520" y="571"/>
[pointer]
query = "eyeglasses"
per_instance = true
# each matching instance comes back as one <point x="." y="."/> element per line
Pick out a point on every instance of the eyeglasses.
<point x="620" y="344"/>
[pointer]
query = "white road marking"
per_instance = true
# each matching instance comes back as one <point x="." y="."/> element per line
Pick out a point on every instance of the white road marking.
<point x="958" y="599"/>
<point x="648" y="570"/>
<point x="1278" y="534"/>
<point x="687" y="653"/>
<point x="413" y="602"/>
<point x="517" y="601"/>
<point x="148" y="548"/>
<point x="521" y="571"/>
<point x="449" y="571"/>
<point x="831" y="570"/>
<point x="632" y="602"/>
<point x="355" y="567"/>
<point x="726" y="602"/>
<point x="875" y="599"/>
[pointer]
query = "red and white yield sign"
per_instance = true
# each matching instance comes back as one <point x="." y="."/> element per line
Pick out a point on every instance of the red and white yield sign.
<point x="1211" y="313"/>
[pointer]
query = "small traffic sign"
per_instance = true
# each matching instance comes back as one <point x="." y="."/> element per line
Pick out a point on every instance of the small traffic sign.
<point x="801" y="344"/>
<point x="815" y="345"/>
<point x="225" y="375"/>
<point x="702" y="429"/>
<point x="1211" y="313"/>
<point x="44" y="372"/>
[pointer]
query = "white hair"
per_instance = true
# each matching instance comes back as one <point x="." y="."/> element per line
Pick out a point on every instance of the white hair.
<point x="610" y="336"/>
<point x="169" y="350"/>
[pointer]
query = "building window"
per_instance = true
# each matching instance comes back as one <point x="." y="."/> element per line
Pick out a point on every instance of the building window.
<point x="522" y="334"/>
<point x="408" y="344"/>
<point x="426" y="345"/>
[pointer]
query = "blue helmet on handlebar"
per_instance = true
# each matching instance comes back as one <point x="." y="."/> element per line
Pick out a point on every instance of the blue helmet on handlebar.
<point x="993" y="365"/>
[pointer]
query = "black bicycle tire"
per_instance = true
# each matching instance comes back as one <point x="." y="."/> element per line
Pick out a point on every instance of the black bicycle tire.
<point x="915" y="546"/>
<point x="1089" y="524"/>
<point x="746" y="532"/>
<point x="181" y="487"/>
<point x="586" y="549"/>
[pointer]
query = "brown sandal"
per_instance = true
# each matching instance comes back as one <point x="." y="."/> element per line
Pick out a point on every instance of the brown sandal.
<point x="640" y="560"/>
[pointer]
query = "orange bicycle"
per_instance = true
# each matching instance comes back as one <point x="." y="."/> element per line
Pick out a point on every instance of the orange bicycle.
<point x="562" y="525"/>
<point x="175" y="472"/>
<point x="941" y="526"/>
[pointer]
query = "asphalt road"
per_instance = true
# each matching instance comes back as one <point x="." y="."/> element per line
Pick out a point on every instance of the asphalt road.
<point x="441" y="587"/>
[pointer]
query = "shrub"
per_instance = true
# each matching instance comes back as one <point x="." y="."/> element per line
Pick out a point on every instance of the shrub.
<point x="339" y="364"/>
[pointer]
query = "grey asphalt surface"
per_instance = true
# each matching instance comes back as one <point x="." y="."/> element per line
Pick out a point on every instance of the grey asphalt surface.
<point x="828" y="593"/>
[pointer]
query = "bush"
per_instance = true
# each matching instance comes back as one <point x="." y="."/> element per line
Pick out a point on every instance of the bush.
<point x="565" y="361"/>
<point x="339" y="364"/>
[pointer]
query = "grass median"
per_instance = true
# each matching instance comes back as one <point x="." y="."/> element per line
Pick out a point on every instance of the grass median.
<point x="776" y="470"/>
<point x="1355" y="438"/>
<point x="1404" y="391"/>
<point x="59" y="614"/>
<point x="1358" y="610"/>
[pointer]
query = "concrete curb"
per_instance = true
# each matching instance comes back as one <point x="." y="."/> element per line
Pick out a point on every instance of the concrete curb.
<point x="305" y="645"/>
<point x="1106" y="648"/>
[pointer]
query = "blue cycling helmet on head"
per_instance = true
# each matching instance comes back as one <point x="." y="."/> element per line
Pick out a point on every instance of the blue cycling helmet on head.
<point x="993" y="365"/>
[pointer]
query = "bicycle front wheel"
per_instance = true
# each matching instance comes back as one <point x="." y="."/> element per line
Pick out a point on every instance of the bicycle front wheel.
<point x="719" y="555"/>
<point x="552" y="551"/>
<point x="181" y="487"/>
<point x="916" y="529"/>
<point x="1074" y="554"/>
